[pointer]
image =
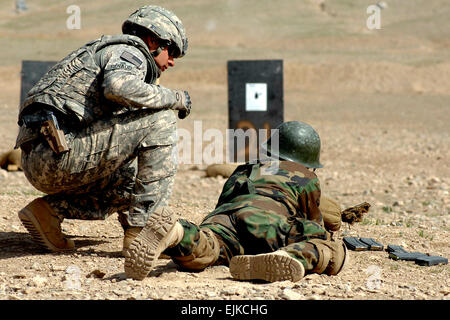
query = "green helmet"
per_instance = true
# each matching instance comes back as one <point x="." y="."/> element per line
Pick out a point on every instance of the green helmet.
<point x="162" y="23"/>
<point x="298" y="142"/>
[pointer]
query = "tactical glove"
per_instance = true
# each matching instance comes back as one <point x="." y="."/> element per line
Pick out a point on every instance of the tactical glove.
<point x="355" y="214"/>
<point x="183" y="104"/>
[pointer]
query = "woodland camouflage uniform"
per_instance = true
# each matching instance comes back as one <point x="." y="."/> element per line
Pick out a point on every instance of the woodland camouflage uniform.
<point x="262" y="208"/>
<point x="267" y="223"/>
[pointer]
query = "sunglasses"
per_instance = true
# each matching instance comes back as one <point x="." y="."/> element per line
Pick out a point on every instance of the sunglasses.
<point x="171" y="49"/>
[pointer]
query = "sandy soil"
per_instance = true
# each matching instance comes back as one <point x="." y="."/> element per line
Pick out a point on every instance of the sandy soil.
<point x="410" y="206"/>
<point x="383" y="122"/>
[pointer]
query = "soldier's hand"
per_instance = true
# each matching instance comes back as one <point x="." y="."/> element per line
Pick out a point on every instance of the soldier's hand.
<point x="185" y="104"/>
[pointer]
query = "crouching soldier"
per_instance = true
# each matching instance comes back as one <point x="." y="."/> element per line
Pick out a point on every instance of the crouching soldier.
<point x="98" y="134"/>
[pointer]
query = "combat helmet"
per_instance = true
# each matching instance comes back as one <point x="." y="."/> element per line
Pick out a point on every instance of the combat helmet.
<point x="298" y="142"/>
<point x="162" y="23"/>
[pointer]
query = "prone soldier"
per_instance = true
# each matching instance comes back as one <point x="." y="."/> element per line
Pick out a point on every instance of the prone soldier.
<point x="267" y="223"/>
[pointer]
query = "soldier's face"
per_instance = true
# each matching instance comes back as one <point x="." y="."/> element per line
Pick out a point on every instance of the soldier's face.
<point x="164" y="60"/>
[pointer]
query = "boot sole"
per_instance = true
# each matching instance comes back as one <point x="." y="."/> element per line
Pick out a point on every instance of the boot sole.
<point x="144" y="250"/>
<point x="268" y="267"/>
<point x="30" y="222"/>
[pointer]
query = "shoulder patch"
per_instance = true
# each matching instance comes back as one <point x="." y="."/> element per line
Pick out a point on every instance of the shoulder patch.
<point x="128" y="56"/>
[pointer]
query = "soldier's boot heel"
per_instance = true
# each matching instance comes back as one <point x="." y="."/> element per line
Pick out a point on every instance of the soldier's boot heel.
<point x="129" y="235"/>
<point x="271" y="267"/>
<point x="333" y="256"/>
<point x="160" y="232"/>
<point x="44" y="226"/>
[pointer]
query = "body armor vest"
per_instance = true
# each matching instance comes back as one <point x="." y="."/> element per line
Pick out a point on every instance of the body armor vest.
<point x="73" y="85"/>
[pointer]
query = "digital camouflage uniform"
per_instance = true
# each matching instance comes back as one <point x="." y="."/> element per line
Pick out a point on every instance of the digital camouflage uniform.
<point x="119" y="127"/>
<point x="262" y="208"/>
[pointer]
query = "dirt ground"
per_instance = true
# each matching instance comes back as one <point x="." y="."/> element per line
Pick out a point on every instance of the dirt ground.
<point x="382" y="114"/>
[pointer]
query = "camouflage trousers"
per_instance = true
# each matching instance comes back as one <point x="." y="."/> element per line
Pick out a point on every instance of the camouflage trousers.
<point x="248" y="230"/>
<point x="125" y="164"/>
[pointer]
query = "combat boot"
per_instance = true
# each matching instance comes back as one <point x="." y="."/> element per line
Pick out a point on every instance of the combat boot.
<point x="274" y="266"/>
<point x="333" y="256"/>
<point x="162" y="231"/>
<point x="44" y="226"/>
<point x="129" y="235"/>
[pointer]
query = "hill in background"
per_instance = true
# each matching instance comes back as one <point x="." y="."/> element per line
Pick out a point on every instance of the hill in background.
<point x="331" y="59"/>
